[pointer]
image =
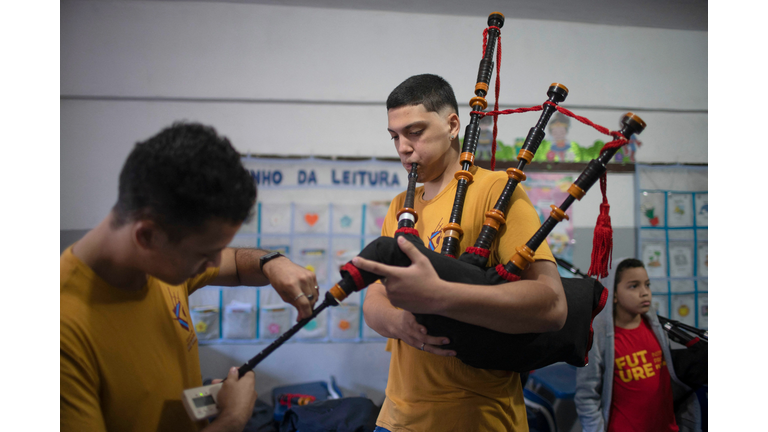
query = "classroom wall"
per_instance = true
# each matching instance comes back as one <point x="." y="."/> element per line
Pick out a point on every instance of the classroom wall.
<point x="304" y="81"/>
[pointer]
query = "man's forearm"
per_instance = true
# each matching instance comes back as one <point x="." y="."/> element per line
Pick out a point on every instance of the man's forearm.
<point x="518" y="307"/>
<point x="378" y="311"/>
<point x="240" y="266"/>
<point x="248" y="267"/>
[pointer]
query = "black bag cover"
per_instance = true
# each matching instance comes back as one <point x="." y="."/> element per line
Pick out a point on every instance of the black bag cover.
<point x="489" y="349"/>
<point x="484" y="348"/>
<point x="692" y="364"/>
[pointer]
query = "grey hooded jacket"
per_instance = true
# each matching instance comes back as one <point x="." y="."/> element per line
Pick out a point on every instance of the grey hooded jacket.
<point x="594" y="382"/>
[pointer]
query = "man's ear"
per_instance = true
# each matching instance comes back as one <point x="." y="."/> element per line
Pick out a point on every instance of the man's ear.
<point x="148" y="235"/>
<point x="454" y="123"/>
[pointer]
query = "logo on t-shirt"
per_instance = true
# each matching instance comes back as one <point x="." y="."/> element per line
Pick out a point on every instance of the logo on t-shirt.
<point x="639" y="365"/>
<point x="436" y="236"/>
<point x="179" y="313"/>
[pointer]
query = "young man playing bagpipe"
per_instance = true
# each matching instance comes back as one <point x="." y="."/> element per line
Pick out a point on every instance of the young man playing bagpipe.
<point x="428" y="389"/>
<point x="128" y="348"/>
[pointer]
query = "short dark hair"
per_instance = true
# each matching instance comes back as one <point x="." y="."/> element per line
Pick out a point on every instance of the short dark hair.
<point x="183" y="177"/>
<point x="628" y="263"/>
<point x="429" y="90"/>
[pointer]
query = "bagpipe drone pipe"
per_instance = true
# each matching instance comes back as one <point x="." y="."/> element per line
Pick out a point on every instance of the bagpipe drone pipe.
<point x="692" y="362"/>
<point x="478" y="346"/>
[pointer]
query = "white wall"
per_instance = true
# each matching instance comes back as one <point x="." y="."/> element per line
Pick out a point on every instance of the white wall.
<point x="301" y="81"/>
<point x="305" y="81"/>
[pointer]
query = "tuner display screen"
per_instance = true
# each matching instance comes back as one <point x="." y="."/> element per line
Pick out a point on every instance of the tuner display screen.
<point x="204" y="401"/>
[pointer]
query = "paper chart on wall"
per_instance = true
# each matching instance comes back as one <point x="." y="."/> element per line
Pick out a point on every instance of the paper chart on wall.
<point x="673" y="213"/>
<point x="311" y="219"/>
<point x="276" y="218"/>
<point x="655" y="260"/>
<point x="681" y="260"/>
<point x="347" y="219"/>
<point x="374" y="218"/>
<point x="652" y="209"/>
<point x="545" y="190"/>
<point x="659" y="304"/>
<point x="314" y="259"/>
<point x="239" y="320"/>
<point x="680" y="210"/>
<point x="274" y="320"/>
<point x="684" y="309"/>
<point x="345" y="321"/>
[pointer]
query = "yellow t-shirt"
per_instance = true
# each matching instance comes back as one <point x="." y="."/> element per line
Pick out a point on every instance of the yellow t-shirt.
<point x="427" y="392"/>
<point x="126" y="356"/>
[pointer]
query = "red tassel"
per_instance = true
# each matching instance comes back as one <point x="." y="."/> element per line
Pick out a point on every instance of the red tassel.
<point x="602" y="241"/>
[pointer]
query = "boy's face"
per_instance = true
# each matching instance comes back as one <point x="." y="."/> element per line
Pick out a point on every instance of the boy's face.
<point x="178" y="261"/>
<point x="633" y="292"/>
<point x="423" y="137"/>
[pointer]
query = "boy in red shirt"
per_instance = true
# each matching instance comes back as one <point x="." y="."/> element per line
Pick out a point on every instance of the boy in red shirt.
<point x="629" y="383"/>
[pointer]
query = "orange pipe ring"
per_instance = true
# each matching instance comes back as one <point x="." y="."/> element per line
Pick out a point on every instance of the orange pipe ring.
<point x="525" y="154"/>
<point x="466" y="175"/>
<point x="519" y="261"/>
<point x="526" y="253"/>
<point x="477" y="100"/>
<point x="516" y="174"/>
<point x="634" y="117"/>
<point x="561" y="86"/>
<point x="408" y="210"/>
<point x="558" y="213"/>
<point x="496" y="215"/>
<point x="481" y="86"/>
<point x="467" y="157"/>
<point x="338" y="293"/>
<point x="452" y="233"/>
<point x="453" y="230"/>
<point x="493" y="223"/>
<point x="494" y="219"/>
<point x="576" y="191"/>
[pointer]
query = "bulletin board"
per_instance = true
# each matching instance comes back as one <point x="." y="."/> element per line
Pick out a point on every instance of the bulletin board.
<point x="321" y="213"/>
<point x="672" y="210"/>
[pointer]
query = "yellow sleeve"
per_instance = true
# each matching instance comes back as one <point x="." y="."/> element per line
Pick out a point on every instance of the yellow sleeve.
<point x="80" y="406"/>
<point x="201" y="280"/>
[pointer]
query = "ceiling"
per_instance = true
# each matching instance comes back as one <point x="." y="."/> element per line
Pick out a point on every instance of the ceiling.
<point x="667" y="14"/>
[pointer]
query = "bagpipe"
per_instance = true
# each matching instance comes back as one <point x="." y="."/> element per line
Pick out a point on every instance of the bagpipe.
<point x="478" y="346"/>
<point x="692" y="362"/>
